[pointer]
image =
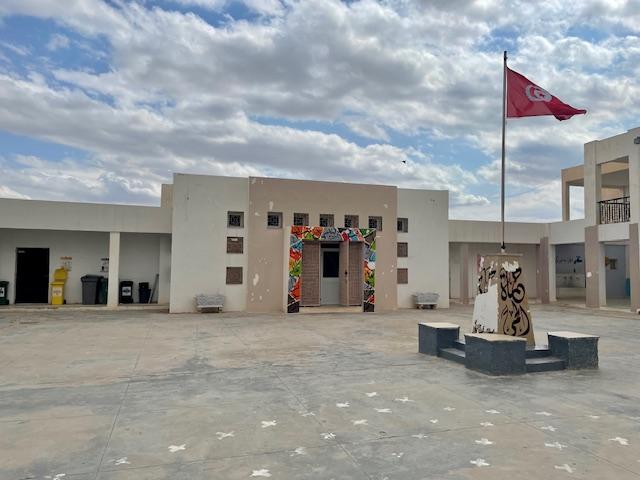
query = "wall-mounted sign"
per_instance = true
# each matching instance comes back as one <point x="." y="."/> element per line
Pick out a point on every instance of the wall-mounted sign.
<point x="65" y="262"/>
<point x="104" y="265"/>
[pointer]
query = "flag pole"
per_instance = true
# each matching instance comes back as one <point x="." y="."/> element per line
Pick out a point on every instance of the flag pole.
<point x="504" y="124"/>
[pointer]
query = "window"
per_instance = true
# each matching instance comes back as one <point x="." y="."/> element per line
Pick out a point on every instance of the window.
<point x="351" y="221"/>
<point x="234" y="275"/>
<point x="235" y="244"/>
<point x="326" y="220"/>
<point x="235" y="219"/>
<point x="403" y="249"/>
<point x="301" y="219"/>
<point x="403" y="225"/>
<point x="330" y="264"/>
<point x="375" y="222"/>
<point x="403" y="276"/>
<point x="274" y="220"/>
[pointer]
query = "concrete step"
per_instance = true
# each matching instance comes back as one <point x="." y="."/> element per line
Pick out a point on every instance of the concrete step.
<point x="452" y="354"/>
<point x="459" y="345"/>
<point x="538" y="352"/>
<point x="544" y="364"/>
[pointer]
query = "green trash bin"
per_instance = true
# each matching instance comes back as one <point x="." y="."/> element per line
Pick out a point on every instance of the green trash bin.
<point x="102" y="290"/>
<point x="4" y="292"/>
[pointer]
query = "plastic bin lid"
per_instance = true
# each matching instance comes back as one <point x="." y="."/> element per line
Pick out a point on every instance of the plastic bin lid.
<point x="60" y="274"/>
<point x="94" y="278"/>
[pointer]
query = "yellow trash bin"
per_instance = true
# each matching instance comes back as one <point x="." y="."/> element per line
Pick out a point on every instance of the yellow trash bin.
<point x="57" y="286"/>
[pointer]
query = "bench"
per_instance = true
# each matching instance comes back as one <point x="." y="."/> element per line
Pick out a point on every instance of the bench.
<point x="576" y="349"/>
<point x="426" y="300"/>
<point x="205" y="303"/>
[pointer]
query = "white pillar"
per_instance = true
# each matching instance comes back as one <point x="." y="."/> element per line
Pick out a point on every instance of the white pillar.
<point x="114" y="269"/>
<point x="552" y="273"/>
<point x="592" y="185"/>
<point x="164" y="267"/>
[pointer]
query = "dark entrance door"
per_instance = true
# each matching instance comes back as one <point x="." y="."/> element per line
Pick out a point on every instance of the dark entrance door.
<point x="32" y="275"/>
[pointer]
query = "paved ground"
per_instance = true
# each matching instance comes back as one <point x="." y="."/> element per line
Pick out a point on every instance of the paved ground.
<point x="142" y="395"/>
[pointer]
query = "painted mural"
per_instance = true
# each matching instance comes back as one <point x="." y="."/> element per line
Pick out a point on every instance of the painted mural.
<point x="332" y="234"/>
<point x="501" y="305"/>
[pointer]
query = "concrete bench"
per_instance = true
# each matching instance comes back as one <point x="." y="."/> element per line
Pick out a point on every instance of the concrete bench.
<point x="426" y="300"/>
<point x="434" y="336"/>
<point x="495" y="354"/>
<point x="205" y="303"/>
<point x="576" y="349"/>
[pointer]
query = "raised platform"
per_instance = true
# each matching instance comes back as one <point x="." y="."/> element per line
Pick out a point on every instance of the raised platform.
<point x="504" y="355"/>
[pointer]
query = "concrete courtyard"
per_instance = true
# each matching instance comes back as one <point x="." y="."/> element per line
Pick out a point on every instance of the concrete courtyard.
<point x="142" y="395"/>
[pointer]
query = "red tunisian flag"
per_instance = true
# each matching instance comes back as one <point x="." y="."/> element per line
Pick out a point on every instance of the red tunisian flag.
<point x="526" y="99"/>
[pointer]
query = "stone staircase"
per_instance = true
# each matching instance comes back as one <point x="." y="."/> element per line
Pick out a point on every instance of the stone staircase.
<point x="538" y="359"/>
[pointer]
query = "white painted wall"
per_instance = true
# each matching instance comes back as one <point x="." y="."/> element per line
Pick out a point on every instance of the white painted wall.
<point x="139" y="259"/>
<point x="428" y="244"/>
<point x="92" y="217"/>
<point x="529" y="266"/>
<point x="567" y="232"/>
<point x="139" y="256"/>
<point x="199" y="242"/>
<point x="471" y="231"/>
<point x="86" y="248"/>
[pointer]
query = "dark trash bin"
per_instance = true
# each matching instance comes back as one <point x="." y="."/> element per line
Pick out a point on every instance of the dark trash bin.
<point x="144" y="292"/>
<point x="90" y="289"/>
<point x="103" y="288"/>
<point x="126" y="291"/>
<point x="4" y="292"/>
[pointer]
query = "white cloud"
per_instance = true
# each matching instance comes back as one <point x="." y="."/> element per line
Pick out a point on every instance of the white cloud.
<point x="57" y="42"/>
<point x="181" y="94"/>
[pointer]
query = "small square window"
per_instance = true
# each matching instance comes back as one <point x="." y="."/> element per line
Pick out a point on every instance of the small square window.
<point x="351" y="221"/>
<point x="375" y="222"/>
<point x="235" y="245"/>
<point x="301" y="219"/>
<point x="403" y="249"/>
<point x="235" y="219"/>
<point x="403" y="225"/>
<point x="274" y="220"/>
<point x="234" y="275"/>
<point x="326" y="220"/>
<point x="403" y="276"/>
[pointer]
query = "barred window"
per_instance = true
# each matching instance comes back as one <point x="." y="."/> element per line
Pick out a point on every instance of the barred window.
<point x="403" y="276"/>
<point x="235" y="219"/>
<point x="234" y="275"/>
<point x="403" y="249"/>
<point x="326" y="220"/>
<point x="301" y="219"/>
<point x="375" y="222"/>
<point x="235" y="245"/>
<point x="351" y="221"/>
<point x="403" y="225"/>
<point x="274" y="220"/>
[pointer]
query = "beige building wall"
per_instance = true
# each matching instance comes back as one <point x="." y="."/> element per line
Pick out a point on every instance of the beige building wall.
<point x="267" y="260"/>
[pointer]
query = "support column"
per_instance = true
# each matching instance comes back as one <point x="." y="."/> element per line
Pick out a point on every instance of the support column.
<point x="164" y="267"/>
<point x="596" y="275"/>
<point x="464" y="274"/>
<point x="114" y="269"/>
<point x="634" y="265"/>
<point x="552" y="273"/>
<point x="592" y="185"/>
<point x="543" y="271"/>
<point x="566" y="201"/>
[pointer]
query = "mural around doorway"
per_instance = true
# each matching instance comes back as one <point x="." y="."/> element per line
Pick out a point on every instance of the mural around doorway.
<point x="331" y="234"/>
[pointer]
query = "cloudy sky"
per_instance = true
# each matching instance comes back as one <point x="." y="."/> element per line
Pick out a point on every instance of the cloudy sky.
<point x="102" y="100"/>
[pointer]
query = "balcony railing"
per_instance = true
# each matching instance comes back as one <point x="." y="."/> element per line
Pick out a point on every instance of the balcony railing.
<point x="616" y="210"/>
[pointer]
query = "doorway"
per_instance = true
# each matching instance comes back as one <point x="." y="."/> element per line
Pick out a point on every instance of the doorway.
<point x="32" y="275"/>
<point x="330" y="277"/>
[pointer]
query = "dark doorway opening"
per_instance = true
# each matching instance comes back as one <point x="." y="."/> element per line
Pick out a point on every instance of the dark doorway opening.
<point x="32" y="275"/>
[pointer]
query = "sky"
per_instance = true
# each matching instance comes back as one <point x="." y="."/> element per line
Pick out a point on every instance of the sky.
<point x="102" y="101"/>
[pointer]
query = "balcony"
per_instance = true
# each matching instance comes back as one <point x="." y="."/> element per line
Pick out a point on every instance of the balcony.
<point x="616" y="210"/>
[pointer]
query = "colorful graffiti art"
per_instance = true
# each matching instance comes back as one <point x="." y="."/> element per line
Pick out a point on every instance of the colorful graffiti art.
<point x="332" y="234"/>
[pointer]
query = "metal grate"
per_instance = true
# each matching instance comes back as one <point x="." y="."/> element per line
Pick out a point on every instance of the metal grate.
<point x="616" y="210"/>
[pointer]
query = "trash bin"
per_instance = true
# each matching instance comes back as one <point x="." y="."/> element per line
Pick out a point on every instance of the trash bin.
<point x="103" y="288"/>
<point x="144" y="292"/>
<point x="57" y="286"/>
<point x="90" y="289"/>
<point x="126" y="291"/>
<point x="4" y="292"/>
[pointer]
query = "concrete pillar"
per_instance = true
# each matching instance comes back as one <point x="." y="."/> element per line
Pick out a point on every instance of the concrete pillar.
<point x="592" y="185"/>
<point x="464" y="273"/>
<point x="543" y="271"/>
<point x="566" y="201"/>
<point x="552" y="273"/>
<point x="634" y="183"/>
<point x="164" y="270"/>
<point x="634" y="264"/>
<point x="114" y="269"/>
<point x="594" y="268"/>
